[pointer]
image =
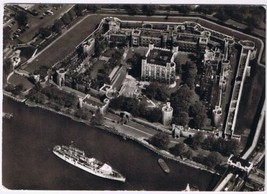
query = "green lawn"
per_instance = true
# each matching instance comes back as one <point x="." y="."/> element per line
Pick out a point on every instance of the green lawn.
<point x="97" y="66"/>
<point x="66" y="44"/>
<point x="35" y="23"/>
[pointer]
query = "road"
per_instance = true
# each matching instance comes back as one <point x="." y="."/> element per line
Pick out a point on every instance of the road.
<point x="133" y="129"/>
<point x="35" y="23"/>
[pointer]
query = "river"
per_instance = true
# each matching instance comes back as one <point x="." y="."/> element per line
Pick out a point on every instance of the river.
<point x="28" y="161"/>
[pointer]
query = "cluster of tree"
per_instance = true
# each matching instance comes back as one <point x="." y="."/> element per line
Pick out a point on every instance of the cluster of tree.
<point x="100" y="45"/>
<point x="21" y="18"/>
<point x="80" y="9"/>
<point x="182" y="99"/>
<point x="198" y="111"/>
<point x="136" y="108"/>
<point x="7" y="31"/>
<point x="135" y="62"/>
<point x="212" y="160"/>
<point x="181" y="118"/>
<point x="42" y="71"/>
<point x="45" y="32"/>
<point x="65" y="20"/>
<point x="15" y="90"/>
<point x="7" y="67"/>
<point x="156" y="91"/>
<point x="184" y="9"/>
<point x="181" y="149"/>
<point x="190" y="73"/>
<point x="60" y="97"/>
<point x="251" y="15"/>
<point x="225" y="147"/>
<point x="36" y="96"/>
<point x="207" y="9"/>
<point x="160" y="140"/>
<point x="131" y="10"/>
<point x="149" y="9"/>
<point x="114" y="60"/>
<point x="97" y="118"/>
<point x="82" y="113"/>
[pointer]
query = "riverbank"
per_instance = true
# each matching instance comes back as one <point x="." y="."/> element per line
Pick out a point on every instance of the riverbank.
<point x="130" y="136"/>
<point x="28" y="140"/>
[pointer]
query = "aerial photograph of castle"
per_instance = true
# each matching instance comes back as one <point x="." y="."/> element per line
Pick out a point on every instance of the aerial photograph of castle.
<point x="133" y="97"/>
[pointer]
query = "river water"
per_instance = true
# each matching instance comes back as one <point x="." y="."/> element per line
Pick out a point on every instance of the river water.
<point x="28" y="161"/>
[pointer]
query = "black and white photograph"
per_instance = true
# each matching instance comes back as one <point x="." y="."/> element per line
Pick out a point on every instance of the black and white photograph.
<point x="148" y="97"/>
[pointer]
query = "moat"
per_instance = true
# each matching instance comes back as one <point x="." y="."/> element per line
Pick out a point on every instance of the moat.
<point x="32" y="133"/>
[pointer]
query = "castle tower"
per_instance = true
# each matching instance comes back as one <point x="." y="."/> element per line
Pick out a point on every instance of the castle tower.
<point x="81" y="102"/>
<point x="61" y="77"/>
<point x="167" y="112"/>
<point x="104" y="108"/>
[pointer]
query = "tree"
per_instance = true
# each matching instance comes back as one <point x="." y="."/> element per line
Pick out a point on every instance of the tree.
<point x="188" y="154"/>
<point x="185" y="9"/>
<point x="182" y="118"/>
<point x="58" y="24"/>
<point x="160" y="140"/>
<point x="72" y="14"/>
<point x="97" y="118"/>
<point x="131" y="10"/>
<point x="22" y="18"/>
<point x="17" y="89"/>
<point x="83" y="114"/>
<point x="179" y="149"/>
<point x="178" y="65"/>
<point x="198" y="139"/>
<point x="79" y="9"/>
<point x="182" y="99"/>
<point x="6" y="34"/>
<point x="190" y="81"/>
<point x="154" y="115"/>
<point x="208" y="143"/>
<point x="213" y="159"/>
<point x="66" y="19"/>
<point x="199" y="113"/>
<point x="93" y="8"/>
<point x="44" y="32"/>
<point x="148" y="9"/>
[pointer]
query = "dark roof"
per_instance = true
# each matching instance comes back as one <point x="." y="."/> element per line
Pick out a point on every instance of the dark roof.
<point x="242" y="161"/>
<point x="151" y="33"/>
<point x="159" y="57"/>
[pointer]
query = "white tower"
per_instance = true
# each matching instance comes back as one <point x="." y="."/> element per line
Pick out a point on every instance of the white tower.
<point x="167" y="112"/>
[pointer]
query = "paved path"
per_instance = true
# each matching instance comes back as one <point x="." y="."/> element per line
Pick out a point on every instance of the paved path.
<point x="133" y="129"/>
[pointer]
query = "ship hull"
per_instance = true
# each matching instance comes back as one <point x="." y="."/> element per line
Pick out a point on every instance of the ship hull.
<point x="87" y="168"/>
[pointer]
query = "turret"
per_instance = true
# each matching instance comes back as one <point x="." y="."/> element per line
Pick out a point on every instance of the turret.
<point x="167" y="112"/>
<point x="61" y="77"/>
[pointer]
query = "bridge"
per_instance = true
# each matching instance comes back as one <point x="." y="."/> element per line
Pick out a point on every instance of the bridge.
<point x="233" y="179"/>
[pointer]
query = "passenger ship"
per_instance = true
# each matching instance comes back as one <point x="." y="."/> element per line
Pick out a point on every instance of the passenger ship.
<point x="77" y="158"/>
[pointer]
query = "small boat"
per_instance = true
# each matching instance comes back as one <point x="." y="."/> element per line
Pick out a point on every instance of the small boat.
<point x="163" y="165"/>
<point x="7" y="115"/>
